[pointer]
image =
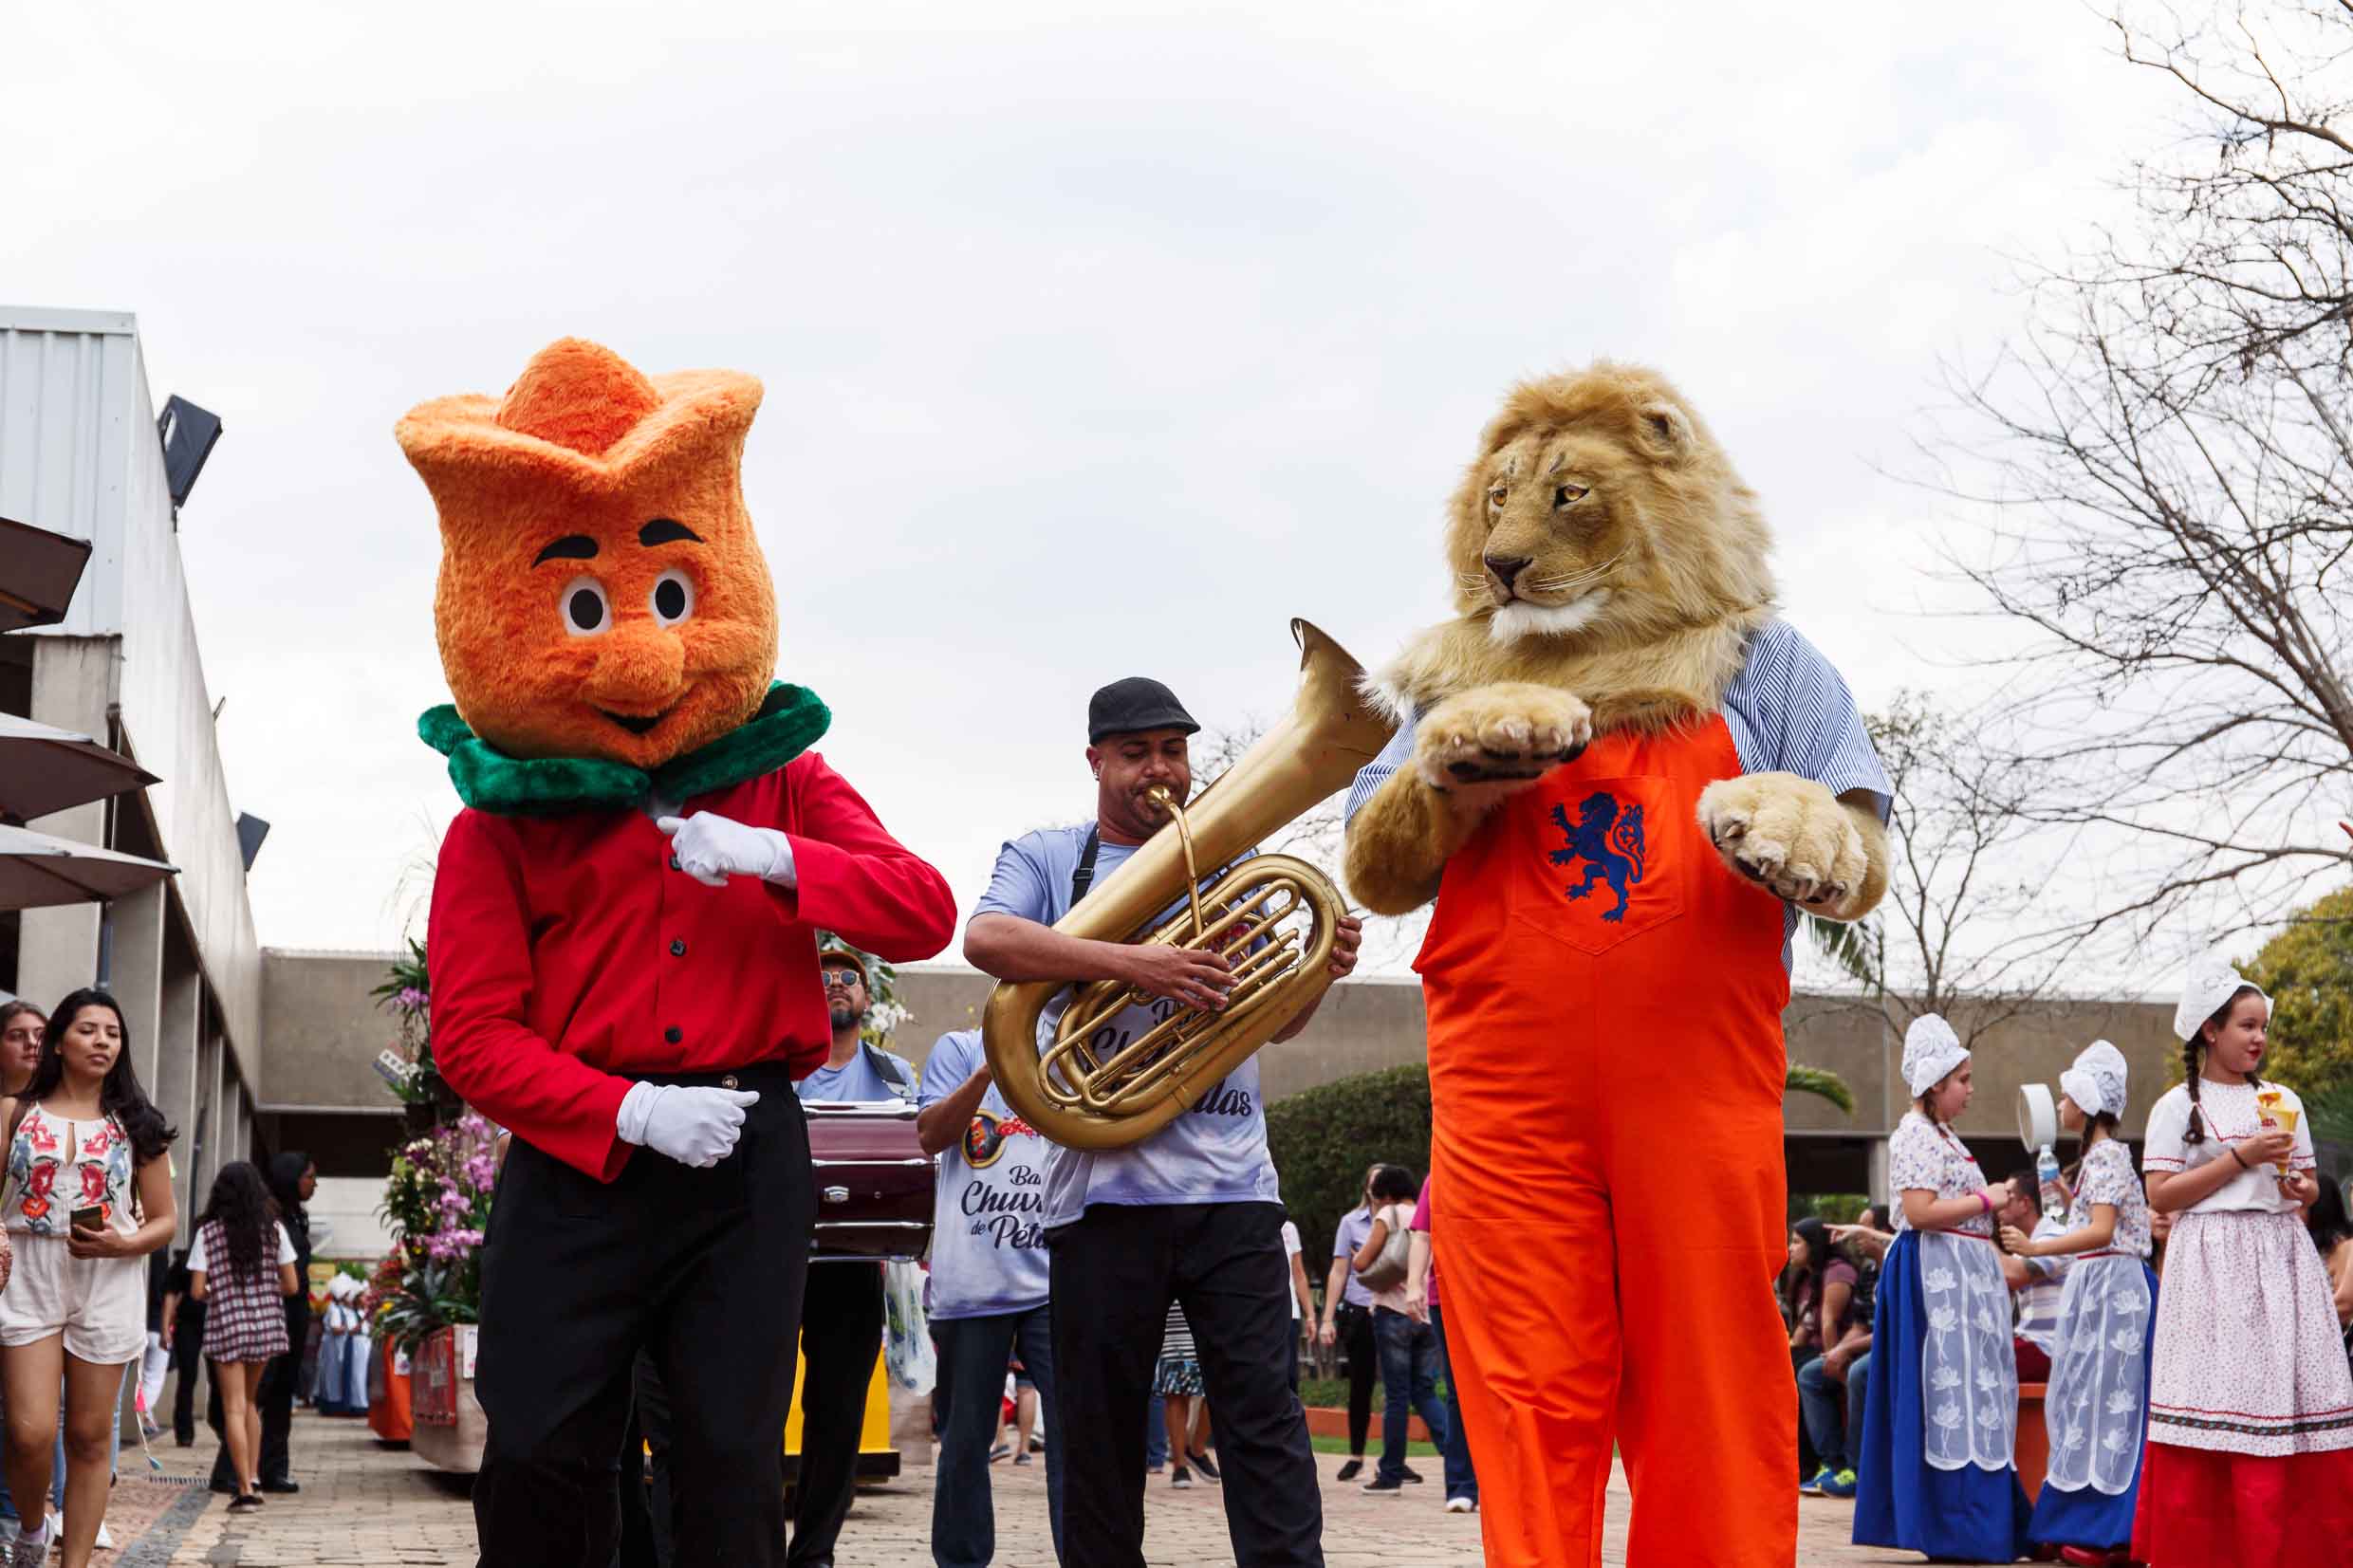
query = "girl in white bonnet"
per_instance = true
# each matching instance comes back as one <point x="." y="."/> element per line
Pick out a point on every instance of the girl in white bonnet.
<point x="2249" y="1460"/>
<point x="1936" y="1473"/>
<point x="2096" y="1407"/>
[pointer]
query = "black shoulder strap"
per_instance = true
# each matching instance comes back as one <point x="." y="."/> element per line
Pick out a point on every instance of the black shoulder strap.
<point x="1083" y="878"/>
<point x="885" y="1069"/>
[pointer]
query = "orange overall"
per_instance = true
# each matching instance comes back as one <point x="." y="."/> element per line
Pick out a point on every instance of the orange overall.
<point x="1608" y="1188"/>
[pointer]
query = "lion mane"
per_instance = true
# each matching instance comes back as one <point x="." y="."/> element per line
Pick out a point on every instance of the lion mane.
<point x="1645" y="570"/>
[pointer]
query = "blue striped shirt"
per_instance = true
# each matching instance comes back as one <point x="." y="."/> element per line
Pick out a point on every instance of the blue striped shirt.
<point x="1788" y="711"/>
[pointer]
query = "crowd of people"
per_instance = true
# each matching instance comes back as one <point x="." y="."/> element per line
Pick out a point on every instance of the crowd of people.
<point x="92" y="1312"/>
<point x="2205" y="1419"/>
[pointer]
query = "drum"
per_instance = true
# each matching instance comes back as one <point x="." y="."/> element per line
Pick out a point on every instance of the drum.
<point x="874" y="1180"/>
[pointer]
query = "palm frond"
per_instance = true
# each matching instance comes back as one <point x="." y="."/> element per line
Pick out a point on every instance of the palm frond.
<point x="1853" y="946"/>
<point x="1820" y="1081"/>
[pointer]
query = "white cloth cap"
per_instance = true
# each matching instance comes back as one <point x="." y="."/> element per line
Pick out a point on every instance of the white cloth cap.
<point x="2213" y="980"/>
<point x="1931" y="1050"/>
<point x="2096" y="1082"/>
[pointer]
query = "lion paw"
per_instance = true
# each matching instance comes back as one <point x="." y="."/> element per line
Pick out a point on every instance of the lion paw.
<point x="1789" y="833"/>
<point x="1507" y="735"/>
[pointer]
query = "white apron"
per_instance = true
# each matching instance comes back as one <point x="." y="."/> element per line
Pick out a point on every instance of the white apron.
<point x="1969" y="1366"/>
<point x="2093" y="1406"/>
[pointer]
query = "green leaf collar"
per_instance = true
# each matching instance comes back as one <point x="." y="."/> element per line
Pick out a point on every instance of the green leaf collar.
<point x="789" y="721"/>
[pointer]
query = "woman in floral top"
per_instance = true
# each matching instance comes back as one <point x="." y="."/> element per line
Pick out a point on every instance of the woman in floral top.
<point x="88" y="1195"/>
<point x="1936" y="1468"/>
<point x="2097" y="1405"/>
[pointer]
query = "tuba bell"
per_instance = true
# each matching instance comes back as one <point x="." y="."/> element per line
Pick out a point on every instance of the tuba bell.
<point x="1273" y="916"/>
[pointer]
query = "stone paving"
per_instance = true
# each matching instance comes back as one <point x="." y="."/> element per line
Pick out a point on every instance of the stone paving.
<point x="363" y="1503"/>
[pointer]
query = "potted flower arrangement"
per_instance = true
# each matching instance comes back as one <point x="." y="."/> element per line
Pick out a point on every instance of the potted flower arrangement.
<point x="428" y="1295"/>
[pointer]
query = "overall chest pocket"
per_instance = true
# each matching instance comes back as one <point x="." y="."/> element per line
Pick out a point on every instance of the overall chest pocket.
<point x="1597" y="862"/>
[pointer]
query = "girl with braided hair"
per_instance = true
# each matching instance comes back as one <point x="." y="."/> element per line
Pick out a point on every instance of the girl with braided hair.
<point x="2250" y="1458"/>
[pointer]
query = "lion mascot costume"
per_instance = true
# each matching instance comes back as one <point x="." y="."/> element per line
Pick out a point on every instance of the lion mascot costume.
<point x="623" y="947"/>
<point x="1621" y="777"/>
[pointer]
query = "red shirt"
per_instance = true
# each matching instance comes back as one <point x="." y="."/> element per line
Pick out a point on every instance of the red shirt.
<point x="567" y="955"/>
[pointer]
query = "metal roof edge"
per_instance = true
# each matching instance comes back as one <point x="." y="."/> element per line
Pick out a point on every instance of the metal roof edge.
<point x="41" y="318"/>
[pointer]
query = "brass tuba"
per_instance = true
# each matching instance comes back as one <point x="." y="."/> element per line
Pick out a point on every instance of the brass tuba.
<point x="1273" y="916"/>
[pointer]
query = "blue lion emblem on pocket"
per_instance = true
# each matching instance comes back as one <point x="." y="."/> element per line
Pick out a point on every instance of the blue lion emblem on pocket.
<point x="1609" y="840"/>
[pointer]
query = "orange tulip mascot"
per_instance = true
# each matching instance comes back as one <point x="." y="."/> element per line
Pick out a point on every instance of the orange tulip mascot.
<point x="1621" y="776"/>
<point x="622" y="946"/>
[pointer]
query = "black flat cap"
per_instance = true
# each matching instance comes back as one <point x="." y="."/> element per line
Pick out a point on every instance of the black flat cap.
<point x="1134" y="705"/>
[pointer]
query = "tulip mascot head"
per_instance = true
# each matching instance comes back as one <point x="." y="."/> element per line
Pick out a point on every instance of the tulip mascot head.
<point x="602" y="595"/>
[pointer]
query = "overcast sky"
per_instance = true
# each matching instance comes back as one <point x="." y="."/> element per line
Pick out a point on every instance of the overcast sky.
<point x="1093" y="346"/>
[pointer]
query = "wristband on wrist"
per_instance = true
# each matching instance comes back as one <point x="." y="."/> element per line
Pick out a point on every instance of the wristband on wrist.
<point x="2241" y="1158"/>
<point x="1987" y="1199"/>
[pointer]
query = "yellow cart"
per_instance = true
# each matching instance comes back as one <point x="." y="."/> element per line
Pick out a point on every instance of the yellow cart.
<point x="877" y="1459"/>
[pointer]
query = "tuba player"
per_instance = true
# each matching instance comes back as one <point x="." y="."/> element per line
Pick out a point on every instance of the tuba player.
<point x="1192" y="1214"/>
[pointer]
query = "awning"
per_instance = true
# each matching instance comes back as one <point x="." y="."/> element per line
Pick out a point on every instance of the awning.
<point x="38" y="573"/>
<point x="44" y="769"/>
<point x="37" y="871"/>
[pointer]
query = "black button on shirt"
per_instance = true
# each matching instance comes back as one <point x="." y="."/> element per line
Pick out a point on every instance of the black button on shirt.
<point x="674" y="1033"/>
<point x="678" y="948"/>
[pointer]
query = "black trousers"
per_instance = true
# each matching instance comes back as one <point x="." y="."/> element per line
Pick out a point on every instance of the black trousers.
<point x="703" y="1270"/>
<point x="1354" y="1326"/>
<point x="1113" y="1273"/>
<point x="188" y="1362"/>
<point x="276" y="1394"/>
<point x="841" y="1335"/>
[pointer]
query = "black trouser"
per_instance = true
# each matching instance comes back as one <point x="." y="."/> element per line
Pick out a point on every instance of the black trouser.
<point x="1115" y="1271"/>
<point x="1355" y="1326"/>
<point x="702" y="1269"/>
<point x="188" y="1362"/>
<point x="276" y="1395"/>
<point x="646" y="1467"/>
<point x="841" y="1335"/>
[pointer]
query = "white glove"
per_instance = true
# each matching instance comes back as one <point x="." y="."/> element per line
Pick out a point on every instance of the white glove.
<point x="693" y="1126"/>
<point x="710" y="848"/>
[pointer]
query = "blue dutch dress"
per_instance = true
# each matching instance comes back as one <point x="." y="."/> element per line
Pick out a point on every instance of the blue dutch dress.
<point x="2097" y="1403"/>
<point x="1937" y="1471"/>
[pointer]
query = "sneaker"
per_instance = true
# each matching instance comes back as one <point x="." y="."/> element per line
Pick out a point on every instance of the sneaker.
<point x="282" y="1486"/>
<point x="1813" y="1487"/>
<point x="1023" y="1459"/>
<point x="1353" y="1468"/>
<point x="105" y="1542"/>
<point x="1386" y="1485"/>
<point x="1204" y="1464"/>
<point x="1180" y="1477"/>
<point x="999" y="1452"/>
<point x="1460" y="1506"/>
<point x="29" y="1551"/>
<point x="1840" y="1484"/>
<point x="1409" y="1475"/>
<point x="245" y="1503"/>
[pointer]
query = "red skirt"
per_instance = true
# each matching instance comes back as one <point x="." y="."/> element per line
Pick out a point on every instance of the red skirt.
<point x="2203" y="1508"/>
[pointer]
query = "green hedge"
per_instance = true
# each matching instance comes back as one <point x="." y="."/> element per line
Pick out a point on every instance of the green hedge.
<point x="1322" y="1138"/>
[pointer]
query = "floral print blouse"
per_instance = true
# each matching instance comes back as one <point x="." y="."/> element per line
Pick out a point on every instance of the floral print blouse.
<point x="44" y="1186"/>
<point x="2108" y="1177"/>
<point x="1926" y="1155"/>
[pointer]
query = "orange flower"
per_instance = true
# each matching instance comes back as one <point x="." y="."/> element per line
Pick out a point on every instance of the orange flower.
<point x="35" y="1208"/>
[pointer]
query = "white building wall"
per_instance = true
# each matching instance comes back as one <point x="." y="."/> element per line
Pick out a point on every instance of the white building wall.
<point x="80" y="455"/>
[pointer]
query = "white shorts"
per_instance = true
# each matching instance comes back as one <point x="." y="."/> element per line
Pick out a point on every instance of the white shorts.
<point x="99" y="1303"/>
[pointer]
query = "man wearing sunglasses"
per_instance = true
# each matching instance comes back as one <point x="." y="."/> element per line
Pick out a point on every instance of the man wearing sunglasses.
<point x="842" y="1306"/>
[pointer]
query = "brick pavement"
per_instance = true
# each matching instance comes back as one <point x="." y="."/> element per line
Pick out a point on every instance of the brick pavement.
<point x="362" y="1504"/>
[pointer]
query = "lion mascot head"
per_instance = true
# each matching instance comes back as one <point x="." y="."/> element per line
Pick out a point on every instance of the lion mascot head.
<point x="1600" y="540"/>
<point x="602" y="596"/>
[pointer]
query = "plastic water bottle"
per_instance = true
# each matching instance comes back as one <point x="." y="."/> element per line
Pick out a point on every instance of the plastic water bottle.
<point x="2047" y="1173"/>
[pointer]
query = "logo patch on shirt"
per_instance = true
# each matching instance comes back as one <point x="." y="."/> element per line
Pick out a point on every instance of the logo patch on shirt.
<point x="984" y="1140"/>
<point x="1609" y="839"/>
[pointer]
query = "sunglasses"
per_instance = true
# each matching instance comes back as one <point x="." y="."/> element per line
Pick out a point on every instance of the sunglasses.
<point x="843" y="978"/>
